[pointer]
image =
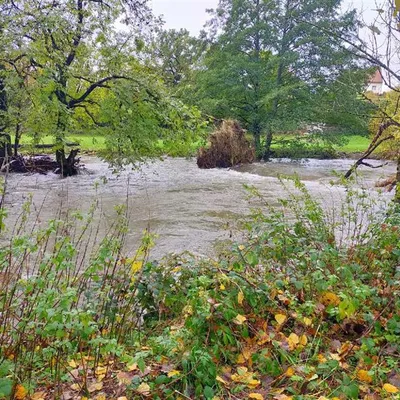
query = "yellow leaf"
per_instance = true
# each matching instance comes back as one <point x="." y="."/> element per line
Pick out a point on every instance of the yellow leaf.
<point x="280" y="318"/>
<point x="221" y="380"/>
<point x="100" y="396"/>
<point x="307" y="321"/>
<point x="76" y="387"/>
<point x="330" y="298"/>
<point x="293" y="341"/>
<point x="363" y="376"/>
<point x="122" y="398"/>
<point x="240" y="359"/>
<point x="256" y="396"/>
<point x="173" y="373"/>
<point x="94" y="387"/>
<point x="240" y="297"/>
<point x="241" y="247"/>
<point x="242" y="370"/>
<point x="290" y="372"/>
<point x="101" y="371"/>
<point x="73" y="364"/>
<point x="387" y="387"/>
<point x="143" y="388"/>
<point x="303" y="340"/>
<point x="222" y="287"/>
<point x="253" y="383"/>
<point x="20" y="392"/>
<point x="240" y="319"/>
<point x="132" y="367"/>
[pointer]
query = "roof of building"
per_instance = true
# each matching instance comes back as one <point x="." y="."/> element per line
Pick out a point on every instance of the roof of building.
<point x="377" y="77"/>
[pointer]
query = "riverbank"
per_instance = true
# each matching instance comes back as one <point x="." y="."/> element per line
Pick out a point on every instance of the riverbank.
<point x="303" y="307"/>
<point x="355" y="145"/>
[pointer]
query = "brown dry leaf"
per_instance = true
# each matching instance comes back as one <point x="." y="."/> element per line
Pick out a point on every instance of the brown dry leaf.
<point x="39" y="396"/>
<point x="240" y="319"/>
<point x="363" y="376"/>
<point x="256" y="396"/>
<point x="76" y="387"/>
<point x="387" y="387"/>
<point x="283" y="397"/>
<point x="143" y="388"/>
<point x="124" y="378"/>
<point x="122" y="398"/>
<point x="20" y="392"/>
<point x="240" y="297"/>
<point x="280" y="318"/>
<point x="329" y="298"/>
<point x="100" y="396"/>
<point x="240" y="359"/>
<point x="95" y="387"/>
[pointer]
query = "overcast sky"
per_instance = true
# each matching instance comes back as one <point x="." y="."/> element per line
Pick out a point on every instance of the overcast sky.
<point x="191" y="14"/>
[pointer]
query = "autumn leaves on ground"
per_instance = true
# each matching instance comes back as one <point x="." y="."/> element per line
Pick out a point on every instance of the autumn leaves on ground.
<point x="287" y="314"/>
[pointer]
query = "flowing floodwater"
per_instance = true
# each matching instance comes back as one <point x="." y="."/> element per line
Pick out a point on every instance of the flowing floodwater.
<point x="188" y="208"/>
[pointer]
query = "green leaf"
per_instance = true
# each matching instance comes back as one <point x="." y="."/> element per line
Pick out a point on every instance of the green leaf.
<point x="208" y="392"/>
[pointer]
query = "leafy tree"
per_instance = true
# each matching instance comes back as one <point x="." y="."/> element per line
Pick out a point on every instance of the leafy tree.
<point x="265" y="61"/>
<point x="78" y="56"/>
<point x="176" y="54"/>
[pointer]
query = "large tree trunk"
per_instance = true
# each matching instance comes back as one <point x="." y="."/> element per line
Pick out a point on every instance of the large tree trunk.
<point x="68" y="166"/>
<point x="267" y="146"/>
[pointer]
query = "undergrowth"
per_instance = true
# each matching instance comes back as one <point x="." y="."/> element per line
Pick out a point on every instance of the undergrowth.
<point x="306" y="307"/>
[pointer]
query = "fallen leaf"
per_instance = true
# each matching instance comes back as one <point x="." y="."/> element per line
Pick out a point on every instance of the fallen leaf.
<point x="256" y="396"/>
<point x="101" y="371"/>
<point x="290" y="372"/>
<point x="143" y="388"/>
<point x="122" y="398"/>
<point x="124" y="378"/>
<point x="240" y="319"/>
<point x="76" y="387"/>
<point x="240" y="297"/>
<point x="363" y="376"/>
<point x="303" y="340"/>
<point x="38" y="396"/>
<point x="222" y="287"/>
<point x="280" y="318"/>
<point x="330" y="298"/>
<point x="387" y="387"/>
<point x="132" y="367"/>
<point x="173" y="373"/>
<point x="95" y="387"/>
<point x="20" y="392"/>
<point x="307" y="321"/>
<point x="100" y="396"/>
<point x="73" y="364"/>
<point x="293" y="341"/>
<point x="253" y="383"/>
<point x="221" y="380"/>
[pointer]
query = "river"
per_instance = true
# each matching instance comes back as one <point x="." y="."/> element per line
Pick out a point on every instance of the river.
<point x="188" y="208"/>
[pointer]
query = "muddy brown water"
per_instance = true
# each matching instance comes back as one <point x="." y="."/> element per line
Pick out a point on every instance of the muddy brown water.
<point x="188" y="208"/>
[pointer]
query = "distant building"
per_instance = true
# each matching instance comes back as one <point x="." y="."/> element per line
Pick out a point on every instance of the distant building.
<point x="375" y="85"/>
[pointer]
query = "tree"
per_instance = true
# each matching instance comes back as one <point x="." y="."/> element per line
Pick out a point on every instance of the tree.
<point x="381" y="50"/>
<point x="176" y="55"/>
<point x="73" y="49"/>
<point x="265" y="61"/>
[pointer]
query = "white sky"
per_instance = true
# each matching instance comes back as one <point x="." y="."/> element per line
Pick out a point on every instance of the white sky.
<point x="191" y="14"/>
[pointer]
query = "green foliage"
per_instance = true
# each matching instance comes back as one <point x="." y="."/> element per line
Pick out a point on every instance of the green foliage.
<point x="269" y="62"/>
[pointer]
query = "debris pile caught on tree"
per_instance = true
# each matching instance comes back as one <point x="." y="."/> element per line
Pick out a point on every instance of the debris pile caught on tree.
<point x="229" y="147"/>
<point x="41" y="164"/>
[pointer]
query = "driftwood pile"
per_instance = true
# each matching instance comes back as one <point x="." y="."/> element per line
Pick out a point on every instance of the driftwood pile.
<point x="228" y="147"/>
<point x="41" y="164"/>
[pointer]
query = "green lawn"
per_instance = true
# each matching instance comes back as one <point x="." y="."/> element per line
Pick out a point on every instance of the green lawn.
<point x="356" y="144"/>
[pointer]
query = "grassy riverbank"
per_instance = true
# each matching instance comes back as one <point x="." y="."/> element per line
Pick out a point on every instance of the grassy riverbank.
<point x="306" y="307"/>
<point x="355" y="144"/>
